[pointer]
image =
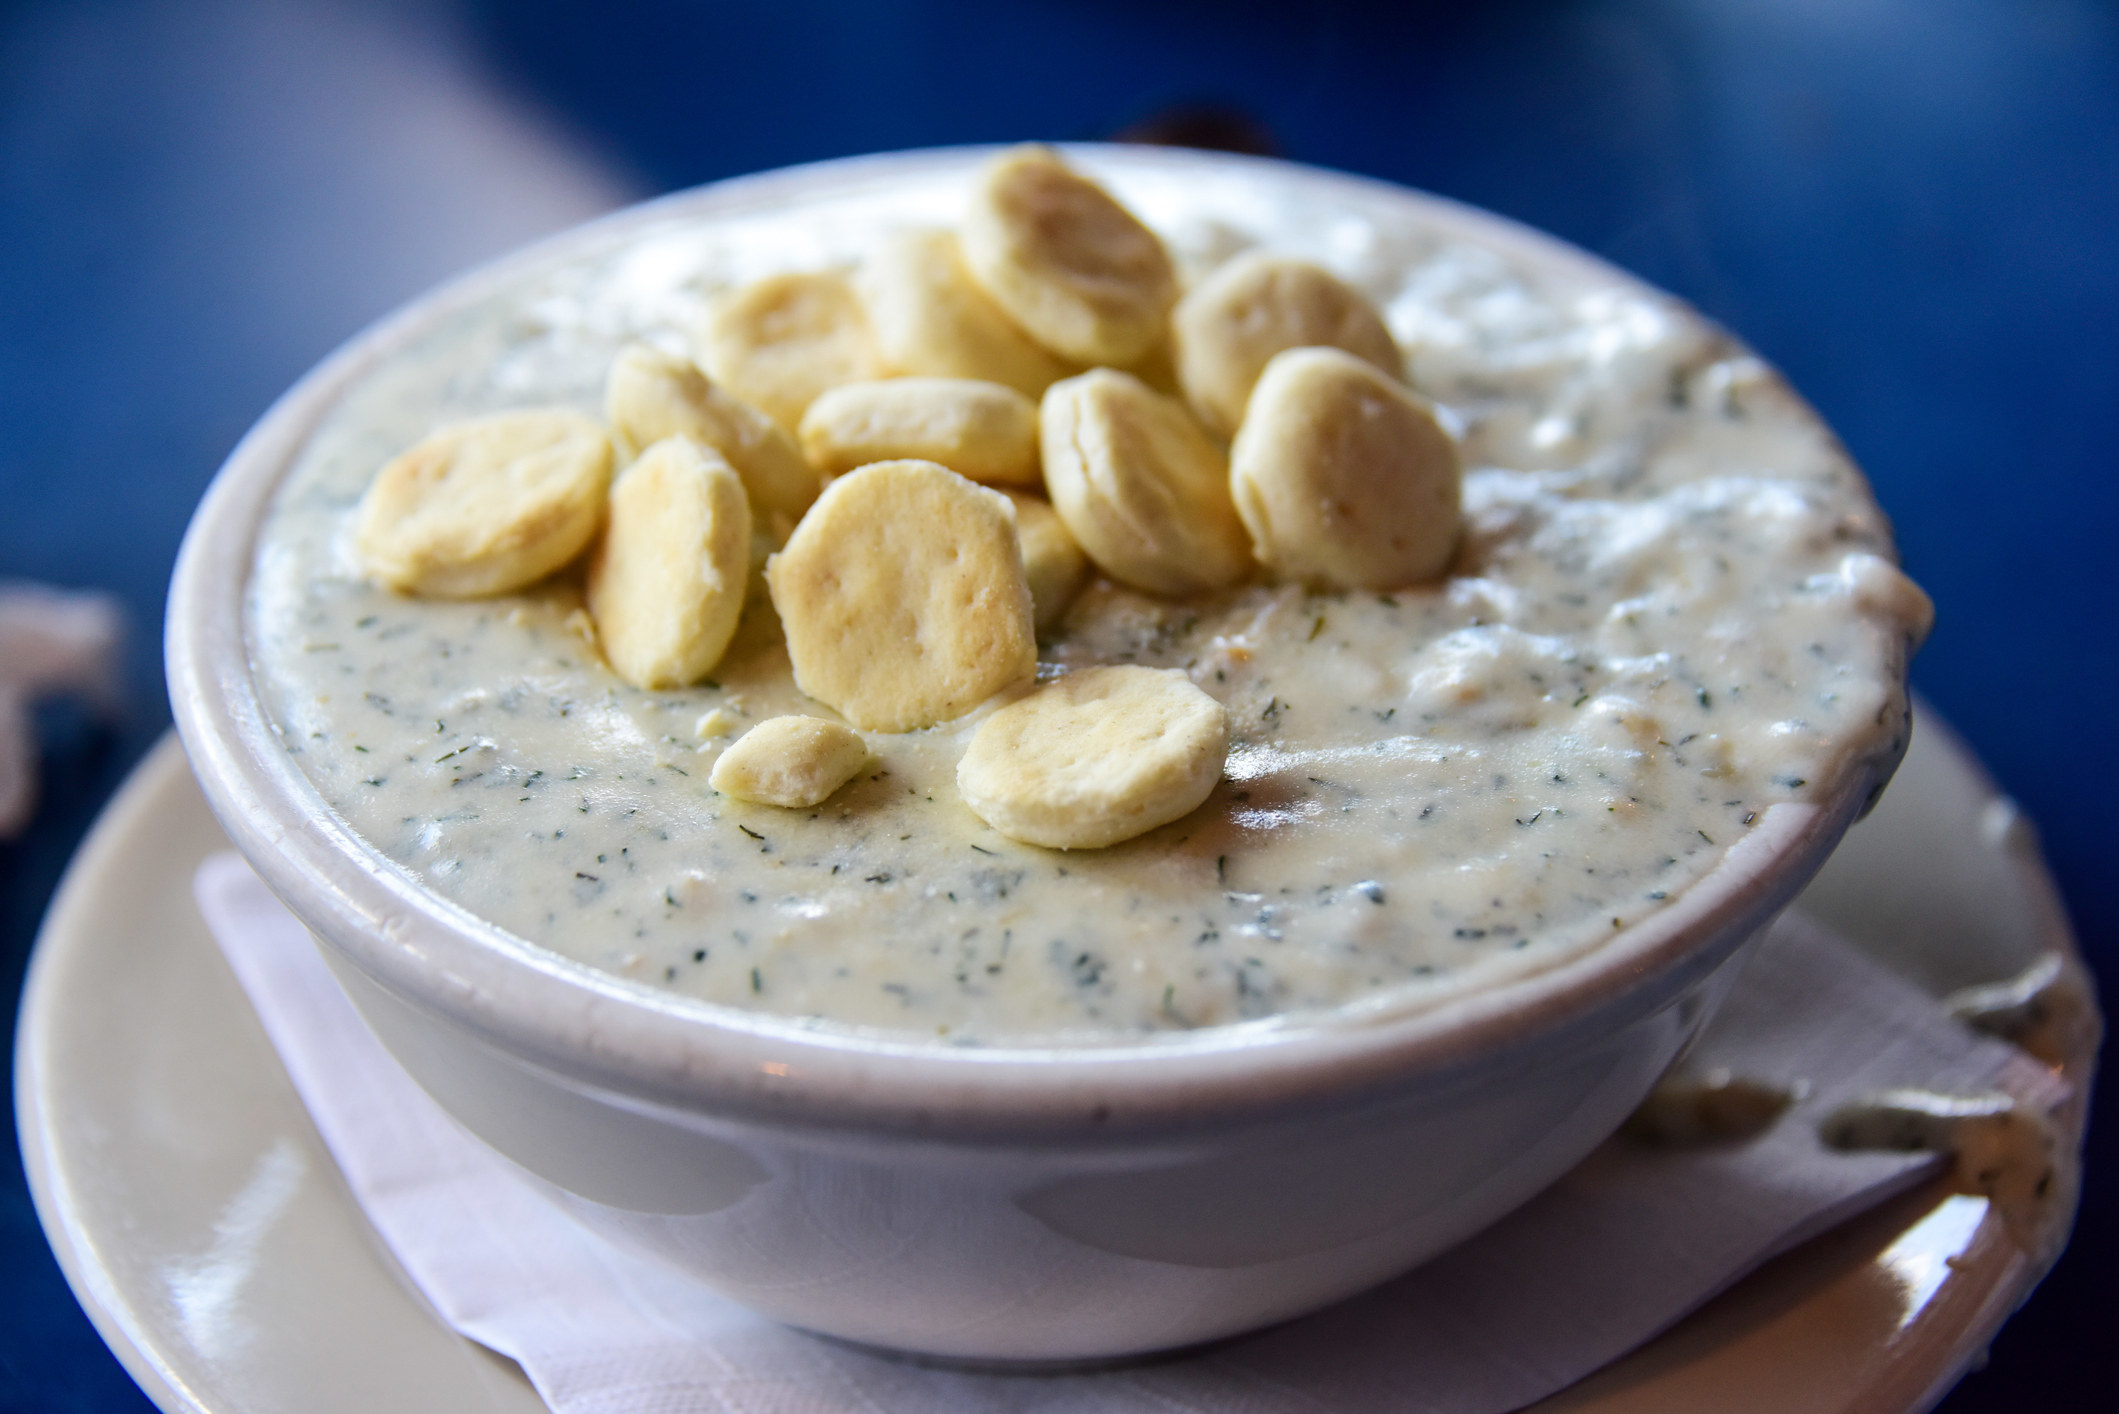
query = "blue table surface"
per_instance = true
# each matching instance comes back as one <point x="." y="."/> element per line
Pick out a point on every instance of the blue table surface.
<point x="1909" y="205"/>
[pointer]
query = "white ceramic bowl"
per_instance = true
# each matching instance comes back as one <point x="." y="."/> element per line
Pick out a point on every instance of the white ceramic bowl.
<point x="1011" y="1205"/>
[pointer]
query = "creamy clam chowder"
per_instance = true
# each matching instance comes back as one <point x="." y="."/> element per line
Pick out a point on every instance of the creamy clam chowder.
<point x="1673" y="606"/>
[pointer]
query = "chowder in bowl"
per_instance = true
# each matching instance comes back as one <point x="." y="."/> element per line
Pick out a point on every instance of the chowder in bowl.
<point x="1481" y="857"/>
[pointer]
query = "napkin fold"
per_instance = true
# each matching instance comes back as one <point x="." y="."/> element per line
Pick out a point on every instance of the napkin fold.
<point x="1610" y="1255"/>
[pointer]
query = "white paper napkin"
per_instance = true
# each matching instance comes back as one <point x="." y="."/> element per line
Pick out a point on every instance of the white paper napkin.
<point x="1617" y="1250"/>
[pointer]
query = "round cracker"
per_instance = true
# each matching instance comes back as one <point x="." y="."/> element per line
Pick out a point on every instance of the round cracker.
<point x="486" y="506"/>
<point x="1345" y="477"/>
<point x="778" y="342"/>
<point x="1096" y="757"/>
<point x="1227" y="329"/>
<point x="650" y="395"/>
<point x="1066" y="261"/>
<point x="793" y="762"/>
<point x="666" y="581"/>
<point x="931" y="318"/>
<point x="903" y="597"/>
<point x="1142" y="487"/>
<point x="986" y="431"/>
<point x="1052" y="562"/>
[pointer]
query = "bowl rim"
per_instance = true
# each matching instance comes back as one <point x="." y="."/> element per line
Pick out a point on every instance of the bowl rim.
<point x="598" y="1031"/>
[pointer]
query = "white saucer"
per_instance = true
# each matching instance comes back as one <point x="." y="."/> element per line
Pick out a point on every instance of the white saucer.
<point x="203" y="1226"/>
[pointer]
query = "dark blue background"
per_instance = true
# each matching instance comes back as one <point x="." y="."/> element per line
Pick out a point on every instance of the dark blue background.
<point x="1909" y="205"/>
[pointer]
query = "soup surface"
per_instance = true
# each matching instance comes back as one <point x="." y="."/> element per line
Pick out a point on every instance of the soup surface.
<point x="1674" y="606"/>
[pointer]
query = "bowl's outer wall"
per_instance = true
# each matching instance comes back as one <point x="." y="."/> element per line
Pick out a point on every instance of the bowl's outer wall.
<point x="950" y="1169"/>
<point x="1092" y="1249"/>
